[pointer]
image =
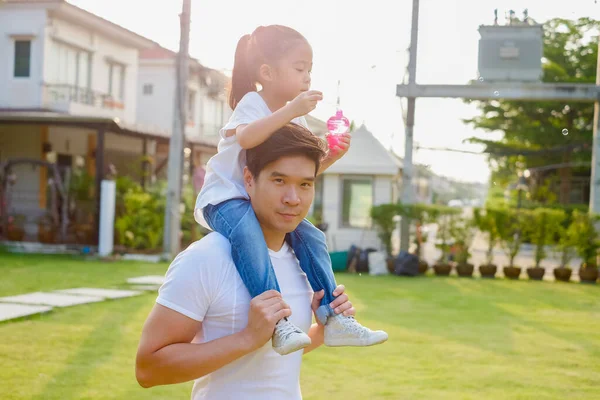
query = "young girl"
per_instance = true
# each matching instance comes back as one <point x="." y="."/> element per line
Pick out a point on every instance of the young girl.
<point x="280" y="60"/>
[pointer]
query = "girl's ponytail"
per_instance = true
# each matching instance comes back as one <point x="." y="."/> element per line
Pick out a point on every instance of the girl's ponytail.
<point x="242" y="77"/>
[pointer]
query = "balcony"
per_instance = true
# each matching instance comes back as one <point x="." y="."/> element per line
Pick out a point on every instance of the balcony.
<point x="76" y="100"/>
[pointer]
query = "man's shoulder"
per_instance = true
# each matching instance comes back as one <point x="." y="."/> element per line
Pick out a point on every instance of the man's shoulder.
<point x="211" y="253"/>
<point x="212" y="247"/>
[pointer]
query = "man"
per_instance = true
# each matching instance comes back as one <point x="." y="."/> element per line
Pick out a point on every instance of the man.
<point x="205" y="326"/>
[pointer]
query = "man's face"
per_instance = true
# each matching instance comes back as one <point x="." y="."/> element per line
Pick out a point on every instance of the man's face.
<point x="282" y="193"/>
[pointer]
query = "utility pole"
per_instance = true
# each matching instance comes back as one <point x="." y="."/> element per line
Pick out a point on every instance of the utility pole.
<point x="595" y="178"/>
<point x="407" y="168"/>
<point x="172" y="213"/>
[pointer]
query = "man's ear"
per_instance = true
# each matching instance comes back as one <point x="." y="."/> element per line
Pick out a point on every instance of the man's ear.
<point x="265" y="72"/>
<point x="248" y="178"/>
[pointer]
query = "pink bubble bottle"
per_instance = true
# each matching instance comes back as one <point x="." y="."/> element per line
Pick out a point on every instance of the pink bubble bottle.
<point x="336" y="125"/>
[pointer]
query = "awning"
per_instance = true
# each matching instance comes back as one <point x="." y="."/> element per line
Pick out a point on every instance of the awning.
<point x="114" y="125"/>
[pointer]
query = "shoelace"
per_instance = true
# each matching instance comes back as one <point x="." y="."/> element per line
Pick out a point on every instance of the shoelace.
<point x="287" y="329"/>
<point x="353" y="325"/>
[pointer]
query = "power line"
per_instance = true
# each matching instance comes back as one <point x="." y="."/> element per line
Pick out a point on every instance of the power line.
<point x="449" y="150"/>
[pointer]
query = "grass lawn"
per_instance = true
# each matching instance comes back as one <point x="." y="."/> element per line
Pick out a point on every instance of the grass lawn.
<point x="449" y="339"/>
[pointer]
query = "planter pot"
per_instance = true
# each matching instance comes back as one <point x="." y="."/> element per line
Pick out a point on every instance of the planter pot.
<point x="423" y="267"/>
<point x="46" y="234"/>
<point x="391" y="264"/>
<point x="588" y="274"/>
<point x="512" y="272"/>
<point x="84" y="234"/>
<point x="488" y="271"/>
<point x="562" y="274"/>
<point x="465" y="270"/>
<point x="536" y="273"/>
<point x="442" y="269"/>
<point x="15" y="234"/>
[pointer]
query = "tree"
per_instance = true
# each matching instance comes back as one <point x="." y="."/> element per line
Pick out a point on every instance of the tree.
<point x="546" y="132"/>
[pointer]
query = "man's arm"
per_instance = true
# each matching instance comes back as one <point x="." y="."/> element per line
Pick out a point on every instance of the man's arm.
<point x="166" y="356"/>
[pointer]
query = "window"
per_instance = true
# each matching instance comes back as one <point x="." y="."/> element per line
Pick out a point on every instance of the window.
<point x="357" y="200"/>
<point x="116" y="81"/>
<point x="22" y="58"/>
<point x="70" y="71"/>
<point x="148" y="89"/>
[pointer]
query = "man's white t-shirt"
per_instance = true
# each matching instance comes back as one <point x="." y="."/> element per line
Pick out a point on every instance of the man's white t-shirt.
<point x="224" y="178"/>
<point x="203" y="284"/>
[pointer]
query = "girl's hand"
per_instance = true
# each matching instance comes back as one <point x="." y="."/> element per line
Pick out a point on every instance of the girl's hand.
<point x="305" y="102"/>
<point x="341" y="148"/>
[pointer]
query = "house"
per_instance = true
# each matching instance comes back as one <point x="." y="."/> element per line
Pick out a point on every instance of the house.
<point x="70" y="85"/>
<point x="364" y="177"/>
<point x="207" y="109"/>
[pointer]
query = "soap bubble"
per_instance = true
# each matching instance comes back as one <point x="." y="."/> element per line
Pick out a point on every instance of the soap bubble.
<point x="481" y="79"/>
<point x="496" y="93"/>
<point x="565" y="132"/>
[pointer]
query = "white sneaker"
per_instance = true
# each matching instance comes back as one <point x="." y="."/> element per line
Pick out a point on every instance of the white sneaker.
<point x="288" y="338"/>
<point x="346" y="331"/>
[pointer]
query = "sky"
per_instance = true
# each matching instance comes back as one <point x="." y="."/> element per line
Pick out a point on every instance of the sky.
<point x="363" y="44"/>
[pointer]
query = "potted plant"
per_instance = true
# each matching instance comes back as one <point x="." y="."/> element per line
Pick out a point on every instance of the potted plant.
<point x="15" y="229"/>
<point x="444" y="217"/>
<point x="82" y="206"/>
<point x="542" y="225"/>
<point x="587" y="245"/>
<point x="485" y="221"/>
<point x="47" y="229"/>
<point x="510" y="224"/>
<point x="418" y="213"/>
<point x="564" y="251"/>
<point x="383" y="218"/>
<point x="462" y="230"/>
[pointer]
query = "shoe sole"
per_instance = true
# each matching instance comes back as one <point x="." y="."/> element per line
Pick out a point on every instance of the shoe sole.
<point x="291" y="348"/>
<point x="354" y="342"/>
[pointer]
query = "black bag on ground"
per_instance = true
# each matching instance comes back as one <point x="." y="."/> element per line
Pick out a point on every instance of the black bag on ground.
<point x="406" y="264"/>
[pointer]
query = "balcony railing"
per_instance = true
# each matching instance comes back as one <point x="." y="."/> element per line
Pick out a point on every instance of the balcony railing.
<point x="65" y="93"/>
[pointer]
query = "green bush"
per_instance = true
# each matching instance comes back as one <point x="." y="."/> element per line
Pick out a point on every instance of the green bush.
<point x="485" y="220"/>
<point x="543" y="227"/>
<point x="585" y="237"/>
<point x="383" y="218"/>
<point x="510" y="224"/>
<point x="141" y="225"/>
<point x="444" y="217"/>
<point x="462" y="230"/>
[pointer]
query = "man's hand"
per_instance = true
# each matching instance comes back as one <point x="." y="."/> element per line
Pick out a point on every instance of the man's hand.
<point x="304" y="103"/>
<point x="341" y="305"/>
<point x="266" y="310"/>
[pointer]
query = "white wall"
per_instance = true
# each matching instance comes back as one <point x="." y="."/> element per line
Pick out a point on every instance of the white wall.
<point x="21" y="92"/>
<point x="156" y="110"/>
<point x="341" y="238"/>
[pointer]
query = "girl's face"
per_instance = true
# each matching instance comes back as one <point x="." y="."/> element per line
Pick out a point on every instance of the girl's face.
<point x="291" y="75"/>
